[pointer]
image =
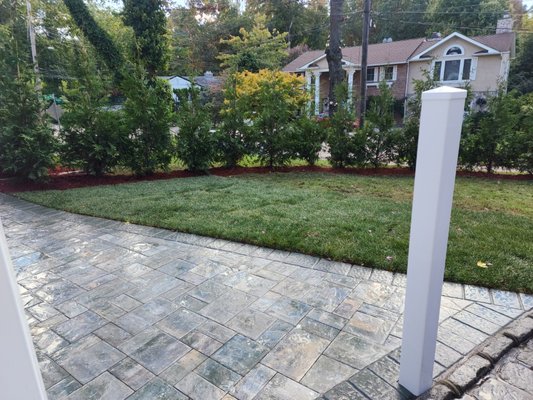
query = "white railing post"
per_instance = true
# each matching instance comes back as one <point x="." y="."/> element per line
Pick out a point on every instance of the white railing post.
<point x="20" y="377"/>
<point x="438" y="148"/>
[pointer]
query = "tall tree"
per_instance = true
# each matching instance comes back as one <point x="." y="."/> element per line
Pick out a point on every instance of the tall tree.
<point x="255" y="49"/>
<point x="471" y="17"/>
<point x="148" y="20"/>
<point x="333" y="51"/>
<point x="97" y="36"/>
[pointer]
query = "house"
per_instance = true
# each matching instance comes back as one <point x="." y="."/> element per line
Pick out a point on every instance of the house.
<point x="207" y="82"/>
<point x="481" y="61"/>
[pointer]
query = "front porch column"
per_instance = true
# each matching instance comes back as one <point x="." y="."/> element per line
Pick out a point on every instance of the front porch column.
<point x="350" y="73"/>
<point x="308" y="81"/>
<point x="317" y="92"/>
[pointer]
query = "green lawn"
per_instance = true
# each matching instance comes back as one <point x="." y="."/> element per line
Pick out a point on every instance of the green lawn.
<point x="363" y="220"/>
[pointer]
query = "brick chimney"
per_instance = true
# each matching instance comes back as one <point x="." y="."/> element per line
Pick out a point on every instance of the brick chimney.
<point x="505" y="24"/>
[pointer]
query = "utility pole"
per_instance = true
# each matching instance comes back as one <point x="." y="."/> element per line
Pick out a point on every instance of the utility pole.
<point x="31" y="34"/>
<point x="364" y="60"/>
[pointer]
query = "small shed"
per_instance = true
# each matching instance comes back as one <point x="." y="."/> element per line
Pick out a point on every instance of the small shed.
<point x="178" y="82"/>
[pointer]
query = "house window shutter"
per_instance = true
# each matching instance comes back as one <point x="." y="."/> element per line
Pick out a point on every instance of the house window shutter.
<point x="394" y="72"/>
<point x="473" y="69"/>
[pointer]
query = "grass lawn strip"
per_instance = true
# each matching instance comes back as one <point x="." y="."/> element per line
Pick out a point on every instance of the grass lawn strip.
<point x="357" y="219"/>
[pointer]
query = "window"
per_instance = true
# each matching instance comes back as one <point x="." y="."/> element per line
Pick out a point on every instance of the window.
<point x="452" y="70"/>
<point x="454" y="51"/>
<point x="467" y="64"/>
<point x="389" y="73"/>
<point x="371" y="75"/>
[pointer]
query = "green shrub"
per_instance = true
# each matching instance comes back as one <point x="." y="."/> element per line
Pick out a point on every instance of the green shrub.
<point x="232" y="144"/>
<point x="270" y="101"/>
<point x="307" y="139"/>
<point x="486" y="133"/>
<point x="27" y="144"/>
<point x="148" y="114"/>
<point x="91" y="135"/>
<point x="195" y="141"/>
<point x="346" y="143"/>
<point x="378" y="127"/>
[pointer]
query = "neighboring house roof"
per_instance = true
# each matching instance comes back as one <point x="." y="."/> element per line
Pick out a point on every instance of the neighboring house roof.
<point x="209" y="81"/>
<point x="401" y="51"/>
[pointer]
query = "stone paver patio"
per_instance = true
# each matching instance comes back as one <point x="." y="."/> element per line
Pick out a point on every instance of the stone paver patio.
<point x="122" y="311"/>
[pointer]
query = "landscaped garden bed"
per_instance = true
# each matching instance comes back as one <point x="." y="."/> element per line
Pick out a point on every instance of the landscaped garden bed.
<point x="346" y="217"/>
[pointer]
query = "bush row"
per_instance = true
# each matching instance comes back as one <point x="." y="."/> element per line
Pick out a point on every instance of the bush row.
<point x="262" y="115"/>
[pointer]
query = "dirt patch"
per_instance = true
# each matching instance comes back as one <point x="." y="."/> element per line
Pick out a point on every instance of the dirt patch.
<point x="61" y="179"/>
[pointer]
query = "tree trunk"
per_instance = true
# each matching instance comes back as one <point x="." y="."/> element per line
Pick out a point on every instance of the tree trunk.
<point x="334" y="53"/>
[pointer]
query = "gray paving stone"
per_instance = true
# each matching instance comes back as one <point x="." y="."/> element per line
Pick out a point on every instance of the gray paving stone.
<point x="369" y="327"/>
<point x="189" y="302"/>
<point x="355" y="351"/>
<point x="517" y="375"/>
<point x="327" y="297"/>
<point x="527" y="301"/>
<point x="148" y="314"/>
<point x="275" y="333"/>
<point x="464" y="330"/>
<point x="373" y="292"/>
<point x="326" y="373"/>
<point x="282" y="388"/>
<point x="59" y="291"/>
<point x="251" y="323"/>
<point x="87" y="363"/>
<point x="181" y="322"/>
<point x="250" y="283"/>
<point x="216" y="331"/>
<point x="446" y="355"/>
<point x="80" y="326"/>
<point x="154" y="349"/>
<point x="157" y="389"/>
<point x="373" y="386"/>
<point x="218" y="375"/>
<point x="104" y="387"/>
<point x="506" y="299"/>
<point x="318" y="328"/>
<point x="112" y="334"/>
<point x="476" y="322"/>
<point x="201" y="342"/>
<point x="289" y="310"/>
<point x="240" y="354"/>
<point x="345" y="391"/>
<point x="71" y="308"/>
<point x="63" y="388"/>
<point x="327" y="318"/>
<point x="197" y="388"/>
<point x="43" y="311"/>
<point x="131" y="373"/>
<point x="477" y="293"/>
<point x="51" y="372"/>
<point x="49" y="342"/>
<point x="181" y="368"/>
<point x="126" y="302"/>
<point x="253" y="382"/>
<point x="497" y="389"/>
<point x="227" y="306"/>
<point x="296" y="353"/>
<point x="456" y="342"/>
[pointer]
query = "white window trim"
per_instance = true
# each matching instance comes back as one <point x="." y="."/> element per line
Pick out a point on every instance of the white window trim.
<point x="473" y="67"/>
<point x="376" y="75"/>
<point x="379" y="72"/>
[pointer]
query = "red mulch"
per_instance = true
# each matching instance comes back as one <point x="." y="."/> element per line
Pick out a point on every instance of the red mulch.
<point x="61" y="179"/>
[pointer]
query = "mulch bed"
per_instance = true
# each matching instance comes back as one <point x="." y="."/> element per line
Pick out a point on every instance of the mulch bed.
<point x="66" y="179"/>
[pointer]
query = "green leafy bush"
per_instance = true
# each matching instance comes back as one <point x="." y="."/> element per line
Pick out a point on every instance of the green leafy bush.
<point x="28" y="144"/>
<point x="195" y="141"/>
<point x="232" y="144"/>
<point x="148" y="114"/>
<point x="346" y="142"/>
<point x="379" y="124"/>
<point x="486" y="133"/>
<point x="92" y="135"/>
<point x="307" y="139"/>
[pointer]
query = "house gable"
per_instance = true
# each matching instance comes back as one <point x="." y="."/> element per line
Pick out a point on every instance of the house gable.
<point x="469" y="46"/>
